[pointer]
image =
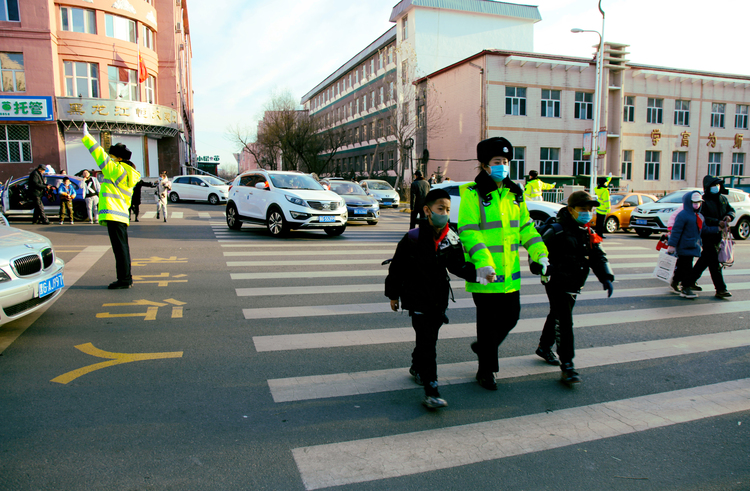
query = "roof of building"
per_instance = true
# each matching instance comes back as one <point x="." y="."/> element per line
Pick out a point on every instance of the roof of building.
<point x="385" y="39"/>
<point x="491" y="7"/>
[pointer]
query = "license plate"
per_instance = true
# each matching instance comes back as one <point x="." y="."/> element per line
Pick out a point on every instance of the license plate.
<point x="641" y="222"/>
<point x="51" y="285"/>
<point x="327" y="219"/>
<point x="359" y="211"/>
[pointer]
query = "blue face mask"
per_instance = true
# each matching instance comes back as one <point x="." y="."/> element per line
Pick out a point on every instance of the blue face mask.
<point x="715" y="189"/>
<point x="499" y="172"/>
<point x="584" y="217"/>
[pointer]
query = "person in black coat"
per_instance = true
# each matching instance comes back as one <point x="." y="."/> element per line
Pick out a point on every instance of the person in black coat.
<point x="417" y="276"/>
<point x="718" y="213"/>
<point x="418" y="192"/>
<point x="135" y="202"/>
<point x="36" y="188"/>
<point x="573" y="250"/>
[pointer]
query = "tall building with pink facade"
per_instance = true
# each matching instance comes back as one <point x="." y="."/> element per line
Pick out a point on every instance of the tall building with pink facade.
<point x="66" y="63"/>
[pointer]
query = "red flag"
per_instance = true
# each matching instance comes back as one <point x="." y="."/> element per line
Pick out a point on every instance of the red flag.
<point x="142" y="72"/>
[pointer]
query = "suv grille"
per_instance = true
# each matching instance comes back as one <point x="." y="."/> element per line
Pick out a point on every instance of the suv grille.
<point x="27" y="265"/>
<point x="48" y="257"/>
<point x="323" y="205"/>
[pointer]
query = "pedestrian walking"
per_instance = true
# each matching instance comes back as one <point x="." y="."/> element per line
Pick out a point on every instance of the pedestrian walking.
<point x="36" y="188"/>
<point x="602" y="195"/>
<point x="432" y="180"/>
<point x="717" y="212"/>
<point x="418" y="192"/>
<point x="91" y="192"/>
<point x="534" y="188"/>
<point x="493" y="223"/>
<point x="417" y="277"/>
<point x="135" y="203"/>
<point x="574" y="249"/>
<point x="120" y="177"/>
<point x="162" y="191"/>
<point x="66" y="192"/>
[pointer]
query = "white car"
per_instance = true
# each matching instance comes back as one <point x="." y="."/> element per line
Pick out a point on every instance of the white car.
<point x="539" y="211"/>
<point x="381" y="191"/>
<point x="653" y="217"/>
<point x="30" y="273"/>
<point x="199" y="188"/>
<point x="284" y="201"/>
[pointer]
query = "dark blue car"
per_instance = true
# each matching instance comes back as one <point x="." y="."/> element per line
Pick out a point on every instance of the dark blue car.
<point x="15" y="199"/>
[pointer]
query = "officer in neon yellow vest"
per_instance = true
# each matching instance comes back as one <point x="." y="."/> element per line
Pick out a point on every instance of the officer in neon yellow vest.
<point x="493" y="224"/>
<point x="534" y="188"/>
<point x="120" y="177"/>
<point x="602" y="195"/>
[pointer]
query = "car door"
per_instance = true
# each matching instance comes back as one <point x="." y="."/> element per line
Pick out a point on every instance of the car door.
<point x="628" y="205"/>
<point x="245" y="199"/>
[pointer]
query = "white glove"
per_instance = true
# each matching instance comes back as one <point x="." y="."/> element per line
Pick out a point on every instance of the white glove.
<point x="545" y="279"/>
<point x="86" y="130"/>
<point x="554" y="184"/>
<point x="545" y="264"/>
<point x="610" y="175"/>
<point x="485" y="275"/>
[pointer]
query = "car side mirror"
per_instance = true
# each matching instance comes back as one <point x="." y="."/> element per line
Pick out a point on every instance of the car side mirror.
<point x="261" y="185"/>
<point x="628" y="205"/>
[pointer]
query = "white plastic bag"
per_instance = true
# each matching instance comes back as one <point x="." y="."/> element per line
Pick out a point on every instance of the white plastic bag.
<point x="664" y="269"/>
<point x="726" y="249"/>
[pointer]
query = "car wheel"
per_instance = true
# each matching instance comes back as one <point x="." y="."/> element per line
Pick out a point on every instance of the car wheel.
<point x="79" y="212"/>
<point x="174" y="198"/>
<point x="643" y="232"/>
<point x="742" y="230"/>
<point x="539" y="218"/>
<point x="213" y="199"/>
<point x="233" y="218"/>
<point x="611" y="225"/>
<point x="335" y="231"/>
<point x="276" y="223"/>
<point x="372" y="222"/>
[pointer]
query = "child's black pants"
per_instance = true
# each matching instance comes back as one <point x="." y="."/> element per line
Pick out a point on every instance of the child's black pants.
<point x="559" y="324"/>
<point x="424" y="356"/>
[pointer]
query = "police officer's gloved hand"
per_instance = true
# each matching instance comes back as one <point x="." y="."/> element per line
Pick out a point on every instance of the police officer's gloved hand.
<point x="607" y="285"/>
<point x="485" y="275"/>
<point x="86" y="130"/>
<point x="544" y="261"/>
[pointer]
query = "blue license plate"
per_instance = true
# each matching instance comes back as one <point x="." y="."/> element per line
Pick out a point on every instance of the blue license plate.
<point x="51" y="285"/>
<point x="327" y="219"/>
<point x="360" y="211"/>
<point x="641" y="222"/>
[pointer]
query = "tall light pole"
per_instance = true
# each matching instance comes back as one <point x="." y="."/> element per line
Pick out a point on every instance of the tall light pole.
<point x="597" y="100"/>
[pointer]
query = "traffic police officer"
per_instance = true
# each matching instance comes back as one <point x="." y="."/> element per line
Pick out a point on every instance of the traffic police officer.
<point x="534" y="187"/>
<point x="602" y="195"/>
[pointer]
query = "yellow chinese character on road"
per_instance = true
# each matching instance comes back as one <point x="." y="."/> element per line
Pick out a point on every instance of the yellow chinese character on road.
<point x="738" y="140"/>
<point x="158" y="260"/>
<point x="711" y="140"/>
<point x="685" y="139"/>
<point x="162" y="279"/>
<point x="655" y="136"/>
<point x="152" y="308"/>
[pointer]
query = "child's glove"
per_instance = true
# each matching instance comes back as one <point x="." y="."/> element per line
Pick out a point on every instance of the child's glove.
<point x="486" y="275"/>
<point x="607" y="285"/>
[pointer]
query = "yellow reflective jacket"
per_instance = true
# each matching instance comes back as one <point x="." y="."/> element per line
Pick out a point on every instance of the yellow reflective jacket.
<point x="602" y="196"/>
<point x="535" y="187"/>
<point x="492" y="225"/>
<point x="117" y="189"/>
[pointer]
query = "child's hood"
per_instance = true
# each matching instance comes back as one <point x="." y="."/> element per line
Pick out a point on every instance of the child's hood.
<point x="687" y="203"/>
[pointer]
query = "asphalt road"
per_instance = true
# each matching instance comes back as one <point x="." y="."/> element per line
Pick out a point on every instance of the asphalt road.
<point x="242" y="362"/>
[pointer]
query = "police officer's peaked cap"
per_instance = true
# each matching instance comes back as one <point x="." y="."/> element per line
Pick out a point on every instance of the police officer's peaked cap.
<point x="121" y="151"/>
<point x="494" y="147"/>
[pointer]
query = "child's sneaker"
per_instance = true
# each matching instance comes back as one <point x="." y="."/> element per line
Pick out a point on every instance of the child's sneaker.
<point x="431" y="402"/>
<point x="417" y="378"/>
<point x="569" y="374"/>
<point x="674" y="287"/>
<point x="688" y="293"/>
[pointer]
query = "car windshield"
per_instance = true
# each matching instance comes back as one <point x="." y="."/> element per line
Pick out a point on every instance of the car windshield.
<point x="294" y="181"/>
<point x="675" y="197"/>
<point x="379" y="185"/>
<point x="213" y="181"/>
<point x="347" y="188"/>
<point x="616" y="198"/>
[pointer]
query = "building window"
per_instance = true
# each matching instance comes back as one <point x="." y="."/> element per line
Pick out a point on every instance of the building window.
<point x="382" y="95"/>
<point x="714" y="163"/>
<point x="390" y="55"/>
<point x="581" y="164"/>
<point x="373" y="102"/>
<point x="717" y="115"/>
<point x="740" y="118"/>
<point x="356" y="76"/>
<point x="14" y="76"/>
<point x="380" y="61"/>
<point x="627" y="165"/>
<point x="119" y="27"/>
<point x="678" y="165"/>
<point x="9" y="10"/>
<point x="515" y="101"/>
<point x="404" y="72"/>
<point x="364" y="102"/>
<point x="549" y="161"/>
<point x="15" y="143"/>
<point x="654" y="110"/>
<point x="584" y="108"/>
<point x="381" y="161"/>
<point x="356" y="135"/>
<point x="628" y="113"/>
<point x="405" y="32"/>
<point x="391" y="159"/>
<point x="77" y="20"/>
<point x="738" y="164"/>
<point x="372" y="130"/>
<point x="405" y="111"/>
<point x="389" y="126"/>
<point x="372" y="66"/>
<point x="550" y="103"/>
<point x="651" y="171"/>
<point x="391" y="88"/>
<point x="421" y="116"/>
<point x="356" y="103"/>
<point x="81" y="79"/>
<point x="682" y="113"/>
<point x="518" y="164"/>
<point x="123" y="83"/>
<point x="381" y="128"/>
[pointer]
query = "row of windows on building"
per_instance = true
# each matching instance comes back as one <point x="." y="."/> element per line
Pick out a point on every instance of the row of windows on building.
<point x="380" y="162"/>
<point x="373" y="99"/>
<point x="84" y="20"/>
<point x="515" y="105"/>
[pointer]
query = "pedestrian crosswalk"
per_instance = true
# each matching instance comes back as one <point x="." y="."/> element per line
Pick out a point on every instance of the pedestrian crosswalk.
<point x="315" y="308"/>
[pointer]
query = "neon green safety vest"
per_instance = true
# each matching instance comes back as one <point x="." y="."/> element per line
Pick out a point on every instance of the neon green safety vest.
<point x="117" y="188"/>
<point x="492" y="234"/>
<point x="602" y="196"/>
<point x="535" y="187"/>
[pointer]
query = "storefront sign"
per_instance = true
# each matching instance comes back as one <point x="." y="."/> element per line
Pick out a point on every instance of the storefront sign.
<point x="115" y="111"/>
<point x="206" y="158"/>
<point x="25" y="108"/>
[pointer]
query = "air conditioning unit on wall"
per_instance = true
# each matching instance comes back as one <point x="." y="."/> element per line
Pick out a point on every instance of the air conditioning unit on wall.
<point x="178" y="3"/>
<point x="178" y="27"/>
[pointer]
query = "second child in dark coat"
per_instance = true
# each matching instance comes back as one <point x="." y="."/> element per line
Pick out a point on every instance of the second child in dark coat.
<point x="135" y="203"/>
<point x="417" y="276"/>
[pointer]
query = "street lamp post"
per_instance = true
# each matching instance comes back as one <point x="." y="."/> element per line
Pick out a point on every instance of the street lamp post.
<point x="597" y="101"/>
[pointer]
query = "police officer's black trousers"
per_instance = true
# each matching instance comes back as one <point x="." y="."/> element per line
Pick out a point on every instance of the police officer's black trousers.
<point x="497" y="315"/>
<point x="118" y="237"/>
<point x="558" y="327"/>
<point x="424" y="356"/>
<point x="601" y="219"/>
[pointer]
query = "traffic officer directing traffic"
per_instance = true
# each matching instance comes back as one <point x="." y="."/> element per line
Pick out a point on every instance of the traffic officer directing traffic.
<point x="534" y="188"/>
<point x="493" y="222"/>
<point x="120" y="177"/>
<point x="602" y="195"/>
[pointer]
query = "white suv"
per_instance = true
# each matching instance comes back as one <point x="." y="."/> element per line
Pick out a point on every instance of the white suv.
<point x="284" y="201"/>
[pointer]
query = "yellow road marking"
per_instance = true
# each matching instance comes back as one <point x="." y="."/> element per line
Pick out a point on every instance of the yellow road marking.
<point x="174" y="302"/>
<point x="115" y="359"/>
<point x="176" y="312"/>
<point x="149" y="315"/>
<point x="137" y="302"/>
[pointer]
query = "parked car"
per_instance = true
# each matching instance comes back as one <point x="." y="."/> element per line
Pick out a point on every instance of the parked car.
<point x="284" y="201"/>
<point x="622" y="205"/>
<point x="199" y="188"/>
<point x="30" y="274"/>
<point x="360" y="206"/>
<point x="652" y="218"/>
<point x="381" y="191"/>
<point x="539" y="211"/>
<point x="15" y="201"/>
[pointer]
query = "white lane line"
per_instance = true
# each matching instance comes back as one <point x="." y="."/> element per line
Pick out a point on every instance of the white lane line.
<point x="177" y="214"/>
<point x="367" y="337"/>
<point x="463" y="303"/>
<point x="204" y="214"/>
<point x="321" y="262"/>
<point x="371" y="459"/>
<point x="387" y="380"/>
<point x="149" y="214"/>
<point x="326" y="252"/>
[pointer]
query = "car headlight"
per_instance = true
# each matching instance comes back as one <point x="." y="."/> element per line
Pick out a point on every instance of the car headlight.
<point x="638" y="210"/>
<point x="296" y="200"/>
<point x="668" y="210"/>
<point x="4" y="276"/>
<point x="342" y="204"/>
